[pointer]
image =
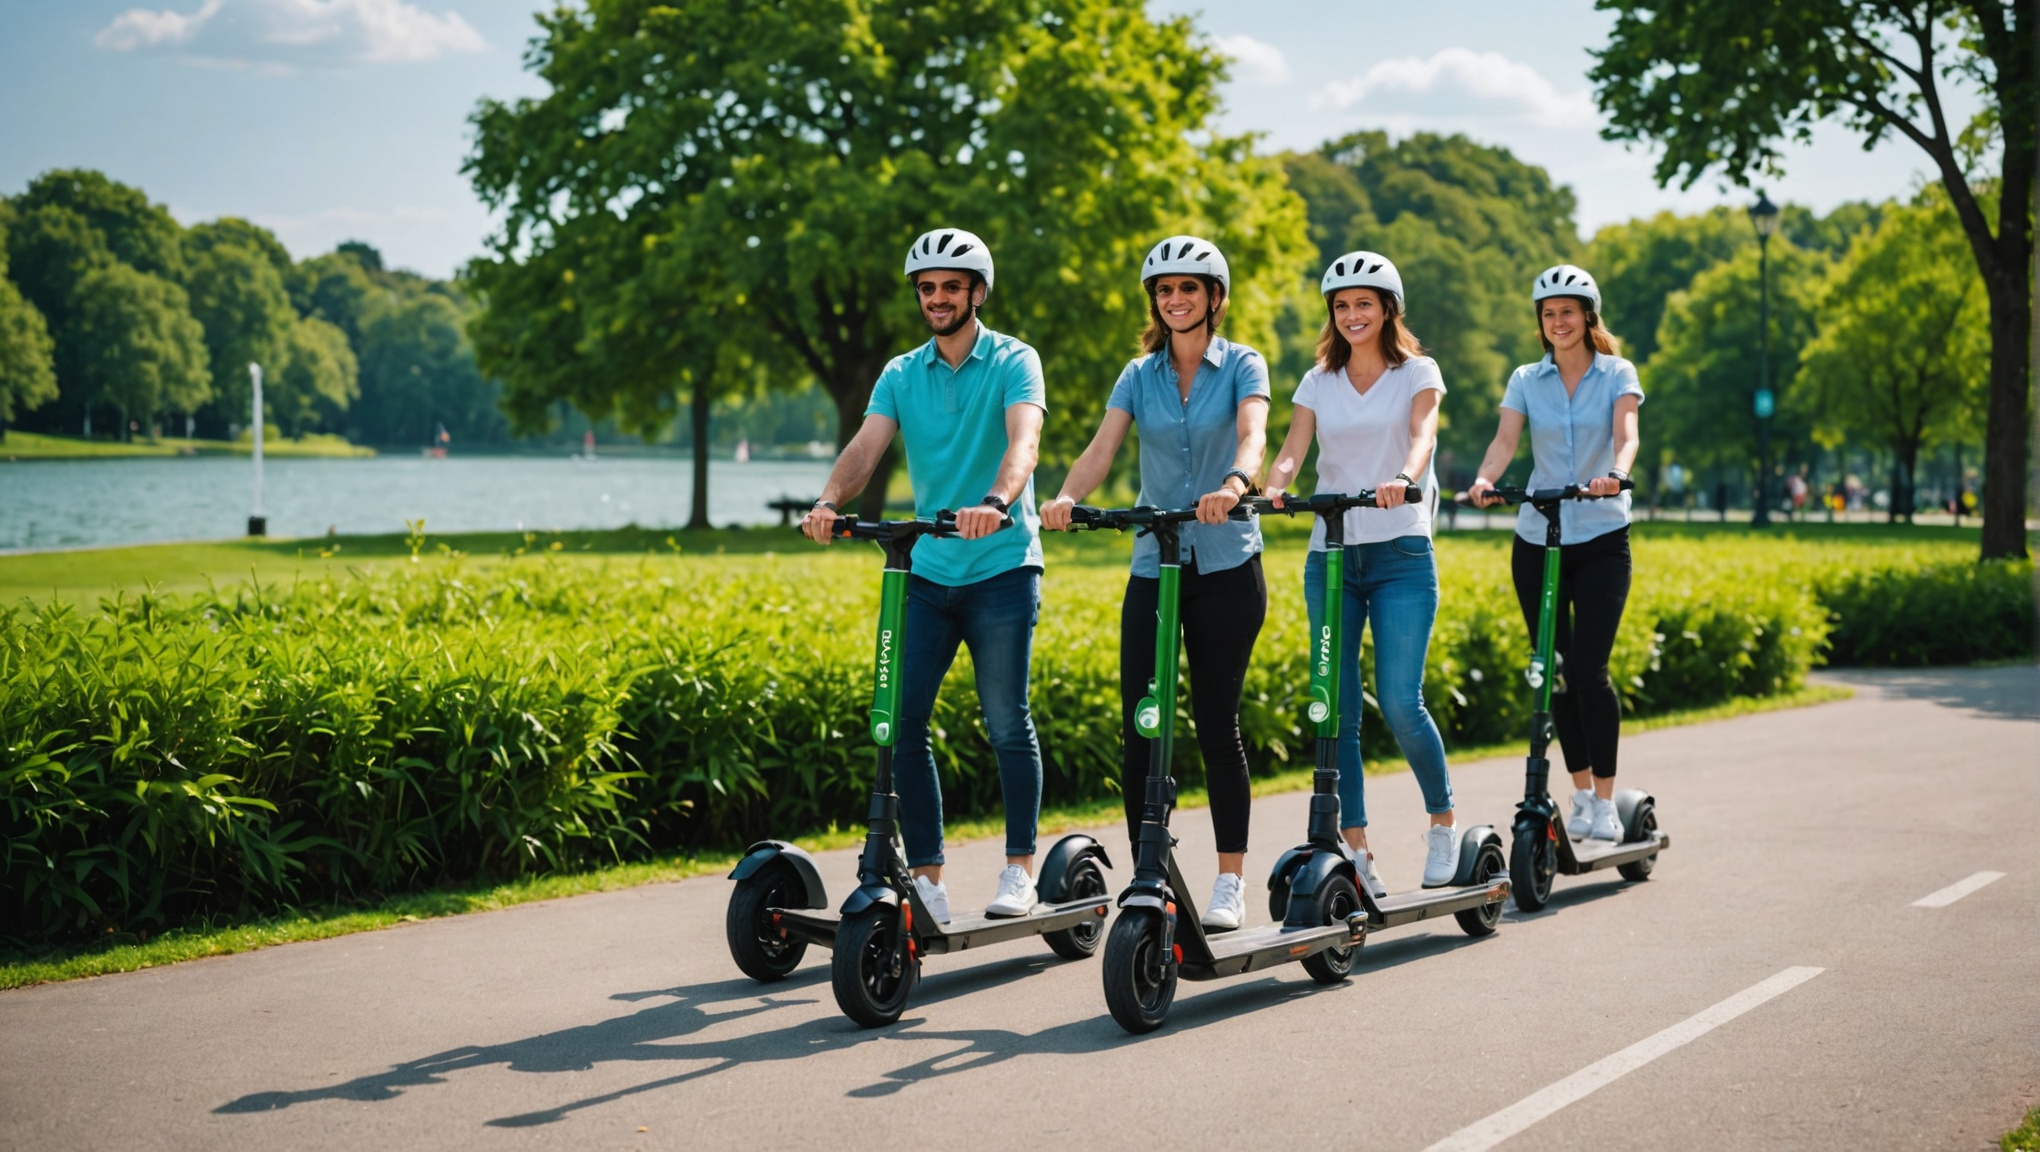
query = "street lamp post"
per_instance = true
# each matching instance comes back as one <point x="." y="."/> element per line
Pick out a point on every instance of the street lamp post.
<point x="1764" y="217"/>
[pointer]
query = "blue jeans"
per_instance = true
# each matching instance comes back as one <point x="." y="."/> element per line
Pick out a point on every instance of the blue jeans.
<point x="1393" y="586"/>
<point x="995" y="617"/>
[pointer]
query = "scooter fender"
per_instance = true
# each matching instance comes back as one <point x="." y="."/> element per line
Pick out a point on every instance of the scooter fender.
<point x="869" y="895"/>
<point x="1319" y="868"/>
<point x="1286" y="865"/>
<point x="1053" y="880"/>
<point x="1470" y="843"/>
<point x="764" y="852"/>
<point x="1626" y="803"/>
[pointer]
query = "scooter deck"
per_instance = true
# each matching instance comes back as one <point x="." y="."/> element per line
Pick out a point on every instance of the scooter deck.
<point x="1252" y="949"/>
<point x="1589" y="855"/>
<point x="968" y="931"/>
<point x="1409" y="907"/>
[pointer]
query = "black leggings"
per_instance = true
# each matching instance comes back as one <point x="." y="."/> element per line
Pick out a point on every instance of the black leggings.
<point x="1593" y="586"/>
<point x="1221" y="614"/>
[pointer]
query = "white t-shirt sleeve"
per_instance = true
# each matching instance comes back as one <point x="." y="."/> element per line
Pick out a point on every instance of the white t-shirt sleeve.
<point x="1306" y="390"/>
<point x="1424" y="376"/>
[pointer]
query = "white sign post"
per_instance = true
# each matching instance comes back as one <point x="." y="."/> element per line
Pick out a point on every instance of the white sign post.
<point x="258" y="524"/>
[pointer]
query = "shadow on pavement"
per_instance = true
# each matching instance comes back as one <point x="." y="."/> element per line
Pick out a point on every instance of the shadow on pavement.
<point x="2006" y="692"/>
<point x="649" y="1035"/>
<point x="1604" y="884"/>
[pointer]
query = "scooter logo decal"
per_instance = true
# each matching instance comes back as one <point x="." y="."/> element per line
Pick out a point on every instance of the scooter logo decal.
<point x="884" y="659"/>
<point x="1324" y="650"/>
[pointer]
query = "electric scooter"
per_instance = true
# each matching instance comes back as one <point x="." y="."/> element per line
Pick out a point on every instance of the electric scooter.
<point x="1158" y="937"/>
<point x="1540" y="850"/>
<point x="882" y="930"/>
<point x="1476" y="892"/>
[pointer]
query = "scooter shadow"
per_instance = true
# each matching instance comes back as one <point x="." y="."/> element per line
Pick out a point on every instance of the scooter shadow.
<point x="656" y="1034"/>
<point x="1603" y="886"/>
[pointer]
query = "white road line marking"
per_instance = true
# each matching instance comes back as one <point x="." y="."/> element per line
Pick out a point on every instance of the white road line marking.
<point x="1484" y="1134"/>
<point x="1957" y="890"/>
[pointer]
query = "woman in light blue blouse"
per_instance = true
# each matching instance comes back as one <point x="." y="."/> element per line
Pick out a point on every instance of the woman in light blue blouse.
<point x="1580" y="404"/>
<point x="1201" y="404"/>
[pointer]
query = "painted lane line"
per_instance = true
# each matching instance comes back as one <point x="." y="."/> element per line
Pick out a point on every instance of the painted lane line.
<point x="1484" y="1134"/>
<point x="1957" y="890"/>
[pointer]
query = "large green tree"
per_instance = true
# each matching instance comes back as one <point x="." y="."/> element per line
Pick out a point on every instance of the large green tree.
<point x="1703" y="379"/>
<point x="1722" y="86"/>
<point x="28" y="374"/>
<point x="319" y="379"/>
<point x="1903" y="352"/>
<point x="139" y="350"/>
<point x="1641" y="263"/>
<point x="238" y="294"/>
<point x="786" y="154"/>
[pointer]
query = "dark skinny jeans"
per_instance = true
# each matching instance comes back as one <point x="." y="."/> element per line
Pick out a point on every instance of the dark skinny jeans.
<point x="1221" y="615"/>
<point x="1593" y="587"/>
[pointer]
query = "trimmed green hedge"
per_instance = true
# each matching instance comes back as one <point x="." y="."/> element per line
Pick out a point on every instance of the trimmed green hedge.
<point x="233" y="752"/>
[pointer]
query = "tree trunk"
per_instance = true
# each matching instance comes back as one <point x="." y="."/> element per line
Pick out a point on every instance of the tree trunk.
<point x="2009" y="424"/>
<point x="698" y="405"/>
<point x="852" y="393"/>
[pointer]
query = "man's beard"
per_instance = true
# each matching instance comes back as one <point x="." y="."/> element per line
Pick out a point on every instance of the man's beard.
<point x="955" y="326"/>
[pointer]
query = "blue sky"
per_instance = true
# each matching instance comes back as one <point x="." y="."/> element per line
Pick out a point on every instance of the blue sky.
<point x="328" y="120"/>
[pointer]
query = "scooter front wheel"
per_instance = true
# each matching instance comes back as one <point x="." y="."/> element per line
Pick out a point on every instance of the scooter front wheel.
<point x="1487" y="868"/>
<point x="1533" y="864"/>
<point x="872" y="979"/>
<point x="761" y="951"/>
<point x="1338" y="899"/>
<point x="1140" y="971"/>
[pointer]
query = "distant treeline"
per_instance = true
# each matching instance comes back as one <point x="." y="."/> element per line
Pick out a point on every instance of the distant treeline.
<point x="118" y="322"/>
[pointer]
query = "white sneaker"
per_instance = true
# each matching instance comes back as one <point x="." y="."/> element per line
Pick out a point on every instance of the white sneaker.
<point x="1606" y="825"/>
<point x="1582" y="814"/>
<point x="1363" y="864"/>
<point x="1228" y="907"/>
<point x="934" y="897"/>
<point x="1441" y="858"/>
<point x="1016" y="893"/>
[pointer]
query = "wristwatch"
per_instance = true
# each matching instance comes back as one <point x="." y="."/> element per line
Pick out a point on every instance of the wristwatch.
<point x="1617" y="474"/>
<point x="1405" y="478"/>
<point x="826" y="504"/>
<point x="1246" y="481"/>
<point x="995" y="502"/>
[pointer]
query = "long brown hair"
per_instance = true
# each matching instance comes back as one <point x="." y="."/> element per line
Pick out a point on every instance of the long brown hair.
<point x="1156" y="337"/>
<point x="1398" y="343"/>
<point x="1604" y="341"/>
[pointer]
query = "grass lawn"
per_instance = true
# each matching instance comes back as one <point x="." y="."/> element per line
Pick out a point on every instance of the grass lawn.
<point x="128" y="953"/>
<point x="37" y="446"/>
<point x="84" y="575"/>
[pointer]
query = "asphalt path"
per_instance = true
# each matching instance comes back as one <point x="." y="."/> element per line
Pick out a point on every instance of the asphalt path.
<point x="1776" y="984"/>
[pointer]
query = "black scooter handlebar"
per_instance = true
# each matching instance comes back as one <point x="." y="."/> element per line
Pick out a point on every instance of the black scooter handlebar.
<point x="944" y="524"/>
<point x="1328" y="503"/>
<point x="1539" y="495"/>
<point x="1083" y="516"/>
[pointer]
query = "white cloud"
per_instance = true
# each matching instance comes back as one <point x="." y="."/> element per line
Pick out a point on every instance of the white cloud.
<point x="1256" y="61"/>
<point x="141" y="28"/>
<point x="1461" y="82"/>
<point x="270" y="32"/>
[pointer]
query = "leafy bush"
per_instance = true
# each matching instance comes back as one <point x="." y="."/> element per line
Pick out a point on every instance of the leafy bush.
<point x="422" y="723"/>
<point x="1945" y="613"/>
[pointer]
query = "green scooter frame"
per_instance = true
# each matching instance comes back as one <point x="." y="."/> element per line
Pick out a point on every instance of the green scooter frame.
<point x="883" y="929"/>
<point x="1539" y="849"/>
<point x="1158" y="936"/>
<point x="1477" y="890"/>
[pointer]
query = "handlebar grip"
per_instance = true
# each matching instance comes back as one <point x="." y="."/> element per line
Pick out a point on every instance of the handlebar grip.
<point x="948" y="516"/>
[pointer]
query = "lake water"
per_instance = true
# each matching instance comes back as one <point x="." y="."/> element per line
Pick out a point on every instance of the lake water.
<point x="79" y="503"/>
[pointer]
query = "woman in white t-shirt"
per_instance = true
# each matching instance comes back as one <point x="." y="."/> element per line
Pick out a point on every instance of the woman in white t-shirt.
<point x="1372" y="405"/>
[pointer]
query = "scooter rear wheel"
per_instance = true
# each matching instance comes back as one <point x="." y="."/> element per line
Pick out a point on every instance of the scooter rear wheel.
<point x="868" y="990"/>
<point x="1337" y="900"/>
<point x="1079" y="942"/>
<point x="1487" y="867"/>
<point x="1533" y="864"/>
<point x="1642" y="826"/>
<point x="1140" y="977"/>
<point x="755" y="944"/>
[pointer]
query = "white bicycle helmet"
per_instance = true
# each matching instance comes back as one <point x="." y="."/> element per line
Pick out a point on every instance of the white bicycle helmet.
<point x="1567" y="280"/>
<point x="951" y="248"/>
<point x="1186" y="256"/>
<point x="1363" y="270"/>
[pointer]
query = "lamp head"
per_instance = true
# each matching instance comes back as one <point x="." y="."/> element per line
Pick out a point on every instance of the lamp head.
<point x="1764" y="216"/>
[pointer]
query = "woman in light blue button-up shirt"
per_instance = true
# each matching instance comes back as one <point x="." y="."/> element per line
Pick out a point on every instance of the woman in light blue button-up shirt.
<point x="1201" y="404"/>
<point x="1580" y="403"/>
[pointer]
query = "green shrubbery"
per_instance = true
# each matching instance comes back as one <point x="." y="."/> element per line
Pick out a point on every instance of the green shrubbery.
<point x="232" y="752"/>
<point x="1952" y="612"/>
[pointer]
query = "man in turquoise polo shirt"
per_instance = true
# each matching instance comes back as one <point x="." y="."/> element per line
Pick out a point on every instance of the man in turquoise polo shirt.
<point x="969" y="404"/>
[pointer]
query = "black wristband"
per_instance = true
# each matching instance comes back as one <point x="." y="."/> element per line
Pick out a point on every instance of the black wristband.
<point x="1617" y="474"/>
<point x="826" y="504"/>
<point x="1405" y="478"/>
<point x="995" y="502"/>
<point x="1246" y="481"/>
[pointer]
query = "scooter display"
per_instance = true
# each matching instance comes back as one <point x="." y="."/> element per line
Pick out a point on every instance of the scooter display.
<point x="1158" y="938"/>
<point x="882" y="930"/>
<point x="1477" y="890"/>
<point x="1540" y="850"/>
